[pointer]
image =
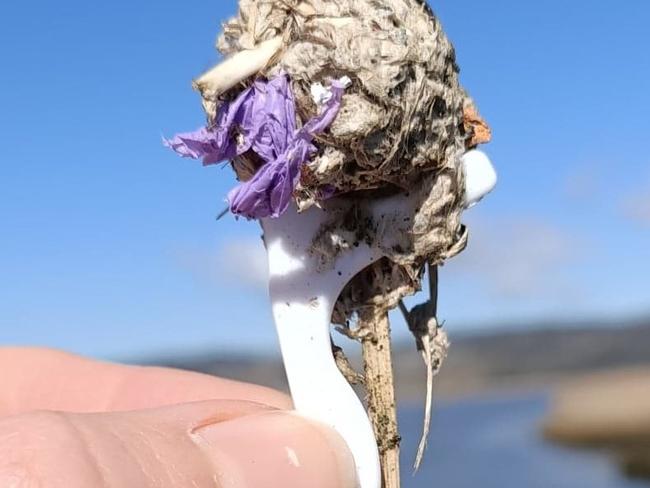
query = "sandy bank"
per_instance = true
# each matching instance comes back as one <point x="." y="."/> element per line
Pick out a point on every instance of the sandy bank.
<point x="607" y="411"/>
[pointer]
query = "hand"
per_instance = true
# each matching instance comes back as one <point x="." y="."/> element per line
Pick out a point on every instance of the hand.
<point x="68" y="422"/>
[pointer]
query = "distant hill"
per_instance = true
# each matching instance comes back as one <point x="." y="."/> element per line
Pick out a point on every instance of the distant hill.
<point x="533" y="358"/>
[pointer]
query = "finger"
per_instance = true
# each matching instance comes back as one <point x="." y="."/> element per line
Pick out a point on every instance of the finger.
<point x="43" y="379"/>
<point x="200" y="445"/>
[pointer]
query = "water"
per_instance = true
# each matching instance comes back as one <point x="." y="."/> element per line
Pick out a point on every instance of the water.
<point x="495" y="443"/>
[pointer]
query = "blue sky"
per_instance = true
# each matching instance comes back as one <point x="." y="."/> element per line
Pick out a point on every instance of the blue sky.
<point x="109" y="244"/>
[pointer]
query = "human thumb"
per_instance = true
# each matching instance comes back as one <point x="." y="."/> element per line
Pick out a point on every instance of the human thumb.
<point x="224" y="444"/>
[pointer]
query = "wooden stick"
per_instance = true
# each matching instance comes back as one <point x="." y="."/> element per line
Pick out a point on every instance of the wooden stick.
<point x="377" y="361"/>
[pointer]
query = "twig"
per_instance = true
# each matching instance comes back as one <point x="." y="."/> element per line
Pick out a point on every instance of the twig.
<point x="380" y="388"/>
<point x="345" y="367"/>
<point x="428" y="403"/>
<point x="433" y="344"/>
<point x="223" y="213"/>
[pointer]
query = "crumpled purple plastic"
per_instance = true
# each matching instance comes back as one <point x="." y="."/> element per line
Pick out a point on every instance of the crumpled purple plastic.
<point x="261" y="119"/>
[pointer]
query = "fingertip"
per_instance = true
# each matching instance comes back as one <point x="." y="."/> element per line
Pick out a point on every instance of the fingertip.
<point x="277" y="446"/>
<point x="49" y="379"/>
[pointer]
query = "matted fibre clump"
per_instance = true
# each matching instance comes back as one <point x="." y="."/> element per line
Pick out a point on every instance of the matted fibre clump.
<point x="402" y="126"/>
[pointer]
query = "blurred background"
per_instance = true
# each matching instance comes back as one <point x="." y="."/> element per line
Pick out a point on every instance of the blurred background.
<point x="110" y="248"/>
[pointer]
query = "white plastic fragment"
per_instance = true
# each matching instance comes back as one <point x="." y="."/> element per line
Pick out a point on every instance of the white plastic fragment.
<point x="321" y="94"/>
<point x="303" y="294"/>
<point x="303" y="300"/>
<point x="480" y="177"/>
